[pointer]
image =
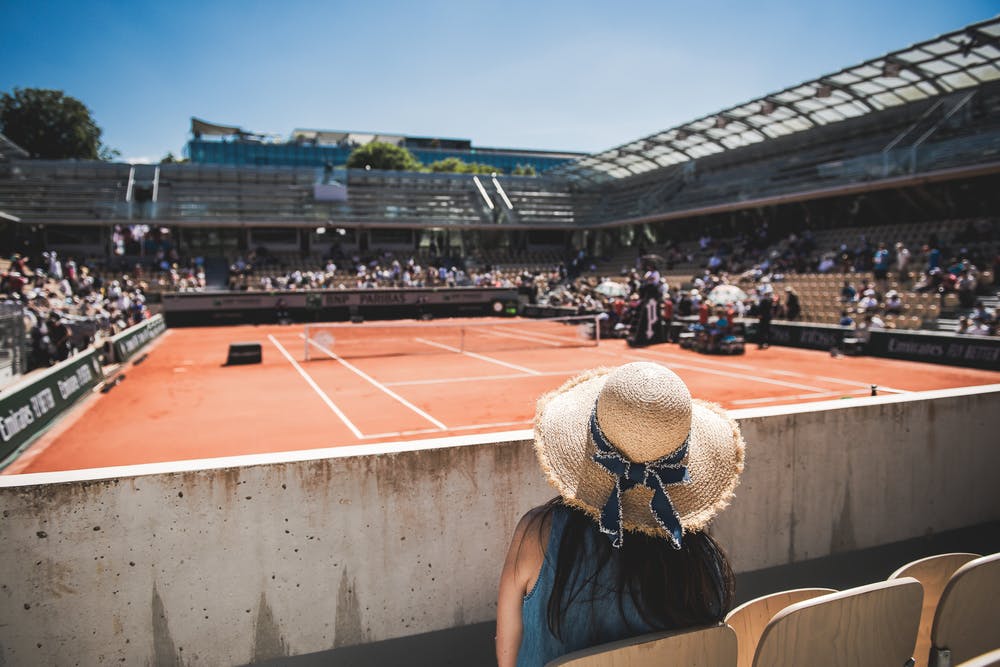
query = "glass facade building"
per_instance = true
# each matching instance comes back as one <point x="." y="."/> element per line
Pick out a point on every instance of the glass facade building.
<point x="242" y="152"/>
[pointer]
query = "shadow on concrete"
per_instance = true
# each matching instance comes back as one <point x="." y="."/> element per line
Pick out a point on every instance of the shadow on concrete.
<point x="473" y="644"/>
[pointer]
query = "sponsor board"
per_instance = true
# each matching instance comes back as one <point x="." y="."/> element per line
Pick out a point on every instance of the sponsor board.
<point x="938" y="348"/>
<point x="128" y="342"/>
<point x="929" y="346"/>
<point x="334" y="298"/>
<point x="26" y="409"/>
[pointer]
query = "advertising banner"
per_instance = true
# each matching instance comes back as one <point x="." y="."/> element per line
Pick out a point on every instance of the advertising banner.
<point x="130" y="341"/>
<point x="26" y="409"/>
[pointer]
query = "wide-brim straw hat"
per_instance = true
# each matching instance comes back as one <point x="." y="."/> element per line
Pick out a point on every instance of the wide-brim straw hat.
<point x="646" y="412"/>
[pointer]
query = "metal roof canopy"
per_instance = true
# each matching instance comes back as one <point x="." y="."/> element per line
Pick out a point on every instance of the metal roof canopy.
<point x="962" y="59"/>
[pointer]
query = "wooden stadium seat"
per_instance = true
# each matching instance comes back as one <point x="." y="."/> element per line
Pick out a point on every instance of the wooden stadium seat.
<point x="868" y="626"/>
<point x="750" y="618"/>
<point x="933" y="574"/>
<point x="991" y="659"/>
<point x="712" y="646"/>
<point x="966" y="622"/>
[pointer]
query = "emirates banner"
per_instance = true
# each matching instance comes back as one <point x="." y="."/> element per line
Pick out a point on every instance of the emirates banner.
<point x="28" y="407"/>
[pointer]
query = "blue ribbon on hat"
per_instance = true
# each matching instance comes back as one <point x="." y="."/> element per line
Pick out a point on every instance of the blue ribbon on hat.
<point x="655" y="475"/>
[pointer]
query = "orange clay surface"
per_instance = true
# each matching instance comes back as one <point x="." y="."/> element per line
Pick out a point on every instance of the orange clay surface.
<point x="181" y="402"/>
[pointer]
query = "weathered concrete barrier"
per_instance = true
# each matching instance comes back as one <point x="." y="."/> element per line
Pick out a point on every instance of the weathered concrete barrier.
<point x="232" y="561"/>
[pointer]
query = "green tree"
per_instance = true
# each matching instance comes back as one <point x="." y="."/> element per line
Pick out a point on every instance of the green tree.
<point x="381" y="155"/>
<point x="453" y="165"/>
<point x="50" y="124"/>
<point x="524" y="170"/>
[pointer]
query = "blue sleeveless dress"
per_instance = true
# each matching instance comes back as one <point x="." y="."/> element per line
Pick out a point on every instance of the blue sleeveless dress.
<point x="593" y="618"/>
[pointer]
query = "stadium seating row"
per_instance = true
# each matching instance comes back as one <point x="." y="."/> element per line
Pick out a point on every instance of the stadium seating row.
<point x="939" y="611"/>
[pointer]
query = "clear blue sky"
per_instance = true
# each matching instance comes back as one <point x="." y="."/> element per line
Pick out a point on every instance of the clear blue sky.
<point x="576" y="75"/>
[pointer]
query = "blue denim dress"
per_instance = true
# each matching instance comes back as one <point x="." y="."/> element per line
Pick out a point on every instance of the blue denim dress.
<point x="593" y="618"/>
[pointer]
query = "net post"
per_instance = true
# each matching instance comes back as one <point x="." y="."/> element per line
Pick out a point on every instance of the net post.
<point x="597" y="330"/>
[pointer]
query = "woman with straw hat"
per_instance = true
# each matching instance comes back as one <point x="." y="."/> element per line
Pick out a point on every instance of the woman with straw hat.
<point x="641" y="469"/>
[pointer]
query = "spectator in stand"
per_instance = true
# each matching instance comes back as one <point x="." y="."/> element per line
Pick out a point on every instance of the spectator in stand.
<point x="696" y="299"/>
<point x="826" y="264"/>
<point x="765" y="311"/>
<point x="902" y="262"/>
<point x="980" y="312"/>
<point x="59" y="337"/>
<point x="933" y="254"/>
<point x="847" y="293"/>
<point x="565" y="585"/>
<point x="978" y="327"/>
<point x="966" y="285"/>
<point x="668" y="314"/>
<point x="880" y="265"/>
<point x="893" y="303"/>
<point x="868" y="302"/>
<point x="845" y="319"/>
<point x="685" y="306"/>
<point x="703" y="312"/>
<point x="792" y="306"/>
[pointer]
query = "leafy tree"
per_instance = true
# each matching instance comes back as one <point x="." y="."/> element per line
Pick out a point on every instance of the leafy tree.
<point x="381" y="155"/>
<point x="170" y="158"/>
<point x="453" y="165"/>
<point x="524" y="170"/>
<point x="50" y="124"/>
<point x="449" y="165"/>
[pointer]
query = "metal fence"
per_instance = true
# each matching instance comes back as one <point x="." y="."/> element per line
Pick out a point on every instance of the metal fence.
<point x="13" y="343"/>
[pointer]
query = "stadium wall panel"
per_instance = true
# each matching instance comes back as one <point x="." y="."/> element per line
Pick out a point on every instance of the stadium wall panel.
<point x="235" y="561"/>
<point x="224" y="308"/>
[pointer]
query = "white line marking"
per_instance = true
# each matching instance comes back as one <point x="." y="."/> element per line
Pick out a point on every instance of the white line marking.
<point x="375" y="383"/>
<point x="322" y="394"/>
<point x="485" y="378"/>
<point x="741" y="376"/>
<point x="455" y="428"/>
<point x="798" y="397"/>
<point x="478" y="356"/>
<point x="787" y="373"/>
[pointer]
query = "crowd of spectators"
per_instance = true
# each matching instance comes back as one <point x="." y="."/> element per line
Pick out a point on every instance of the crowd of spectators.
<point x="258" y="271"/>
<point x="67" y="304"/>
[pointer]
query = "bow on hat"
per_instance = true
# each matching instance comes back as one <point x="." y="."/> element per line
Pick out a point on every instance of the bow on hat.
<point x="655" y="475"/>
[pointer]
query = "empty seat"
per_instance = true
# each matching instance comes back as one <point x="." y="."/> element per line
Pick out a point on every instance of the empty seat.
<point x="713" y="646"/>
<point x="966" y="621"/>
<point x="750" y="618"/>
<point x="869" y="626"/>
<point x="933" y="574"/>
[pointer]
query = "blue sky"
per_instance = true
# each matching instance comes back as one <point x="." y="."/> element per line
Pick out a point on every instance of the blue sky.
<point x="553" y="75"/>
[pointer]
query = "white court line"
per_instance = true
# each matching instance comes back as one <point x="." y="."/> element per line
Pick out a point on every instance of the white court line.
<point x="787" y="373"/>
<point x="799" y="397"/>
<point x="478" y="356"/>
<point x="455" y="428"/>
<point x="740" y="376"/>
<point x="375" y="383"/>
<point x="484" y="378"/>
<point x="322" y="394"/>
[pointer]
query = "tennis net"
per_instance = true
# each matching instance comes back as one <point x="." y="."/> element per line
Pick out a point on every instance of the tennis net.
<point x="377" y="339"/>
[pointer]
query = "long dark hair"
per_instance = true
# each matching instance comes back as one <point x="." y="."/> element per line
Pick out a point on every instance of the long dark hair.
<point x="670" y="588"/>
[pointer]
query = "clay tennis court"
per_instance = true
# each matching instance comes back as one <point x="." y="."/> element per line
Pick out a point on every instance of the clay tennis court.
<point x="370" y="383"/>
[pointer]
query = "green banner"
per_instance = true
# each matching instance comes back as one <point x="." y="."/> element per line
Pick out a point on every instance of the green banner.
<point x="134" y="338"/>
<point x="27" y="408"/>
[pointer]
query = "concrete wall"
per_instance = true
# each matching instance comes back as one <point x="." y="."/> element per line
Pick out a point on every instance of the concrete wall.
<point x="239" y="560"/>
